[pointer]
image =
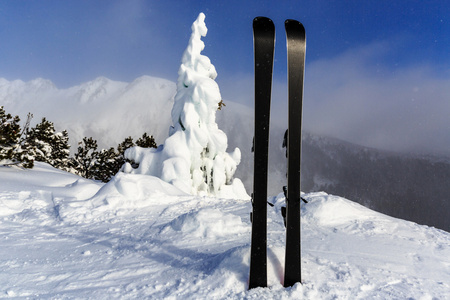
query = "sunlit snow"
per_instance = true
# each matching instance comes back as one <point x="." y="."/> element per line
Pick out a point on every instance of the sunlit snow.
<point x="62" y="236"/>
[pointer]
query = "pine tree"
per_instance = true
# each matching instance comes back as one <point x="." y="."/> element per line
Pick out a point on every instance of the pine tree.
<point x="146" y="141"/>
<point x="86" y="157"/>
<point x="47" y="145"/>
<point x="11" y="151"/>
<point x="9" y="134"/>
<point x="107" y="164"/>
<point x="39" y="139"/>
<point x="104" y="164"/>
<point x="194" y="117"/>
<point x="194" y="157"/>
<point x="127" y="143"/>
<point x="61" y="152"/>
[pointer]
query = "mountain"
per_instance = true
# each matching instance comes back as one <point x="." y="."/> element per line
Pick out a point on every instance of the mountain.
<point x="402" y="185"/>
<point x="408" y="186"/>
<point x="107" y="110"/>
<point x="137" y="237"/>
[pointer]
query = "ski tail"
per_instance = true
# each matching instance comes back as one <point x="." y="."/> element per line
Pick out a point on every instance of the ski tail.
<point x="264" y="42"/>
<point x="296" y="49"/>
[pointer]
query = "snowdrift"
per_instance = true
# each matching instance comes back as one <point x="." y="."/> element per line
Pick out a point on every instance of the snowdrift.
<point x="62" y="236"/>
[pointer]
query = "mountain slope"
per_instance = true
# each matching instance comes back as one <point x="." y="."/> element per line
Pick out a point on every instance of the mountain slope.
<point x="405" y="186"/>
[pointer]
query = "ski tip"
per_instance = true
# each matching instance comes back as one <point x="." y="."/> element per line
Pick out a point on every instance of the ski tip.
<point x="294" y="23"/>
<point x="262" y="20"/>
<point x="263" y="25"/>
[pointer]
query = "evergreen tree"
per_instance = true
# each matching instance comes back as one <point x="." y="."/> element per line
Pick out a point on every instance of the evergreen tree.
<point x="194" y="156"/>
<point x="127" y="143"/>
<point x="61" y="152"/>
<point x="39" y="140"/>
<point x="103" y="165"/>
<point x="11" y="151"/>
<point x="107" y="165"/>
<point x="146" y="141"/>
<point x="47" y="145"/>
<point x="86" y="157"/>
<point x="9" y="134"/>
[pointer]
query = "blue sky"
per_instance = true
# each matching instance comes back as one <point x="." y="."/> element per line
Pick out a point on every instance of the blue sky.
<point x="377" y="72"/>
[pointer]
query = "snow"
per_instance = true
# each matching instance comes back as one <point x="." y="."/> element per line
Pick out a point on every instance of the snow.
<point x="138" y="237"/>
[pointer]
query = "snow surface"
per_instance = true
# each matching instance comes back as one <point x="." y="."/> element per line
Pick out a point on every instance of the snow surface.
<point x="137" y="237"/>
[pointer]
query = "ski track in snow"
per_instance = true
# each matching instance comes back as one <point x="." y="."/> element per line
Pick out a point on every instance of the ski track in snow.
<point x="65" y="237"/>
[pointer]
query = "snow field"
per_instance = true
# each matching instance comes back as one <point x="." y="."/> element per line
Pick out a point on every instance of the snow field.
<point x="64" y="237"/>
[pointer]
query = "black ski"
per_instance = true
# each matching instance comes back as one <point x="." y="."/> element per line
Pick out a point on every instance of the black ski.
<point x="264" y="42"/>
<point x="296" y="48"/>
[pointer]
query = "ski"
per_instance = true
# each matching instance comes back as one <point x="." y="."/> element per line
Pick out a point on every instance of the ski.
<point x="264" y="43"/>
<point x="296" y="49"/>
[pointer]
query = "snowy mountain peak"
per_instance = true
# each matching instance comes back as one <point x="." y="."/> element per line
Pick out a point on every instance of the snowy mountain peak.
<point x="99" y="88"/>
<point x="18" y="90"/>
<point x="105" y="109"/>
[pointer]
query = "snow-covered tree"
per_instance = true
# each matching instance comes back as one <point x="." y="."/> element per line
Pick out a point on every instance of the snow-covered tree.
<point x="9" y="134"/>
<point x="107" y="164"/>
<point x="11" y="150"/>
<point x="61" y="151"/>
<point x="194" y="156"/>
<point x="47" y="145"/>
<point x="85" y="157"/>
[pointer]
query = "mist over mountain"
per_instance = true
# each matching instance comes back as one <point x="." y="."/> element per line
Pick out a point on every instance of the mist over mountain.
<point x="408" y="186"/>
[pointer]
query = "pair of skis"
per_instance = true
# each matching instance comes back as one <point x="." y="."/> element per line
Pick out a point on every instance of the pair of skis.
<point x="264" y="44"/>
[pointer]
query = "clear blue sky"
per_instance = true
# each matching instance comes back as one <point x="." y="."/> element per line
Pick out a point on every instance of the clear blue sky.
<point x="374" y="68"/>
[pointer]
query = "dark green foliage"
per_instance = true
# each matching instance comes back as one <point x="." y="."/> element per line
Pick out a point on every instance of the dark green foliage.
<point x="11" y="150"/>
<point x="43" y="143"/>
<point x="107" y="165"/>
<point x="104" y="164"/>
<point x="146" y="141"/>
<point x="61" y="151"/>
<point x="9" y="134"/>
<point x="127" y="143"/>
<point x="86" y="157"/>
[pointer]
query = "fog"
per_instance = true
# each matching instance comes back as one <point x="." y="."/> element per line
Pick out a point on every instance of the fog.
<point x="355" y="97"/>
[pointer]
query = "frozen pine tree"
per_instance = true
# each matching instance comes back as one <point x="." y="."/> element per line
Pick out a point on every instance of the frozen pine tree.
<point x="194" y="156"/>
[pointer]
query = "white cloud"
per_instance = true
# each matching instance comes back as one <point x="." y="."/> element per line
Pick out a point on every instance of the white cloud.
<point x="358" y="98"/>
